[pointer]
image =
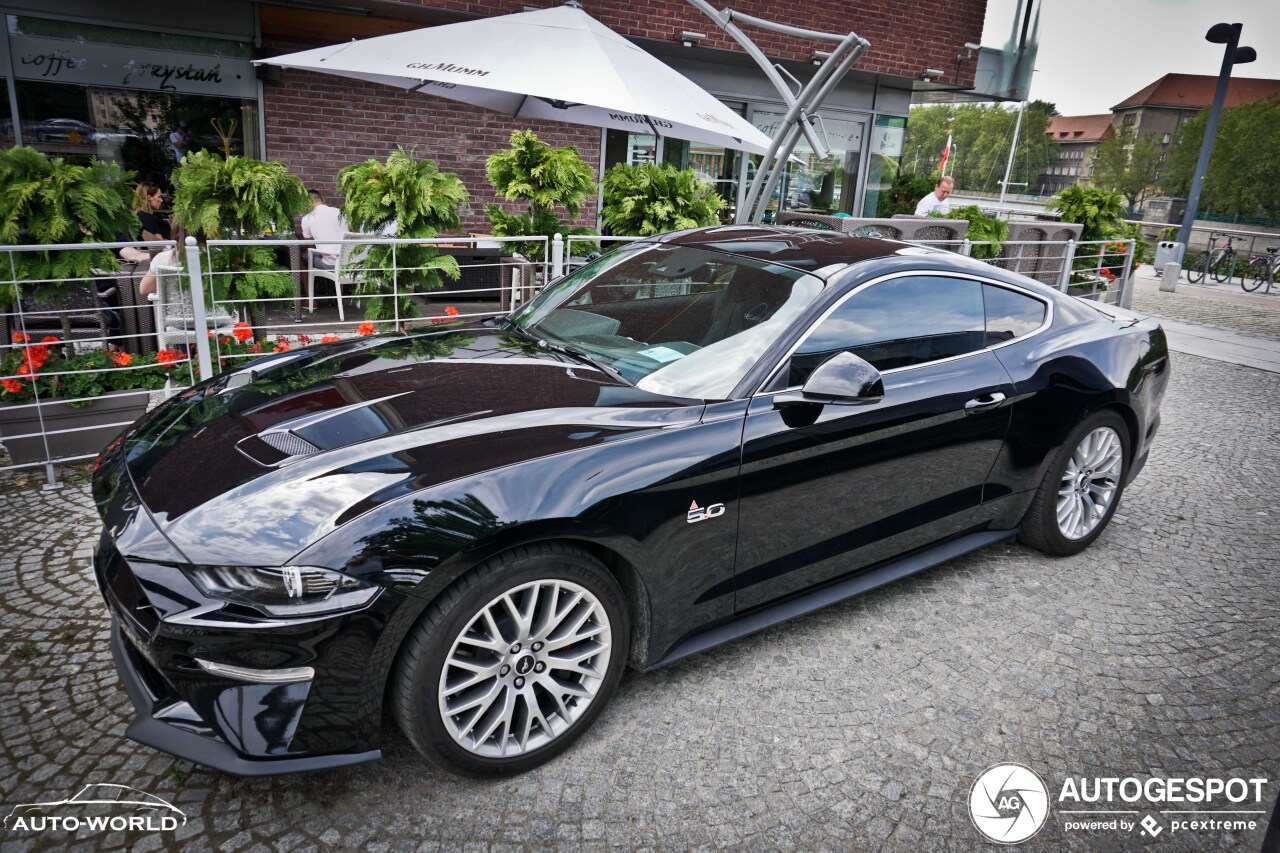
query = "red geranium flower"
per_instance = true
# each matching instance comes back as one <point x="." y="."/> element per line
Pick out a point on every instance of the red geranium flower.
<point x="367" y="328"/>
<point x="328" y="339"/>
<point x="20" y="338"/>
<point x="283" y="346"/>
<point x="242" y="331"/>
<point x="13" y="386"/>
<point x="451" y="311"/>
<point x="121" y="358"/>
<point x="304" y="339"/>
<point x="168" y="356"/>
<point x="50" y="339"/>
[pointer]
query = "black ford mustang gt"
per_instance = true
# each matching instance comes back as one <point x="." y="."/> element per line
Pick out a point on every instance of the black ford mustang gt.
<point x="477" y="527"/>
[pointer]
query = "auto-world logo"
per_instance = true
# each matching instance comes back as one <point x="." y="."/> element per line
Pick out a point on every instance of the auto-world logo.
<point x="98" y="808"/>
<point x="1008" y="803"/>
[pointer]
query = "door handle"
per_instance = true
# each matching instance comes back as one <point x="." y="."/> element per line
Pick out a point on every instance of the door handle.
<point x="987" y="401"/>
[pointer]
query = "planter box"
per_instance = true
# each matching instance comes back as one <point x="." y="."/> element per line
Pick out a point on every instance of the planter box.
<point x="106" y="416"/>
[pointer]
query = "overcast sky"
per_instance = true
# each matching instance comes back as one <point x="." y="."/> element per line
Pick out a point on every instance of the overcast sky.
<point x="1095" y="53"/>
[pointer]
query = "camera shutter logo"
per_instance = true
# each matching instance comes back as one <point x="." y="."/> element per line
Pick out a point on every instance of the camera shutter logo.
<point x="1008" y="803"/>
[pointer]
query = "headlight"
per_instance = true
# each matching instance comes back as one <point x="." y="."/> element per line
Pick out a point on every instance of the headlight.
<point x="286" y="591"/>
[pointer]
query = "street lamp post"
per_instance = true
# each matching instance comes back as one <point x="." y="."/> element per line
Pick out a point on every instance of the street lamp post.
<point x="1229" y="35"/>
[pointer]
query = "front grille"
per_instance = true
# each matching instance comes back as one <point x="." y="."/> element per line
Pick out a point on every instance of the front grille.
<point x="131" y="602"/>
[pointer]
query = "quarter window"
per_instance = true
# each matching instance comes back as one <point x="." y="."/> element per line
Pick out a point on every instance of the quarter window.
<point x="1010" y="314"/>
<point x="897" y="323"/>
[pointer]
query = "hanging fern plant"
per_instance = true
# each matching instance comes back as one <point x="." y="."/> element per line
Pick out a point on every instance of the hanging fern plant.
<point x="547" y="178"/>
<point x="413" y="198"/>
<point x="48" y="201"/>
<point x="234" y="198"/>
<point x="649" y="199"/>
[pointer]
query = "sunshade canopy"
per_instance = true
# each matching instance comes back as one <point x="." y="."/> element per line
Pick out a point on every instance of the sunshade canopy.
<point x="555" y="64"/>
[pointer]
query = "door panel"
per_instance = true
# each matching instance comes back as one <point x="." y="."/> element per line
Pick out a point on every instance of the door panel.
<point x="827" y="490"/>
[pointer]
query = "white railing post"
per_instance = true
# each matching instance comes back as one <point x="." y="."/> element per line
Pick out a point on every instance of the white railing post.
<point x="201" y="323"/>
<point x="966" y="248"/>
<point x="557" y="257"/>
<point x="1068" y="258"/>
<point x="395" y="285"/>
<point x="1125" y="298"/>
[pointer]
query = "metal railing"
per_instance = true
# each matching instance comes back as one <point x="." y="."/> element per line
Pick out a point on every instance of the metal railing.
<point x="195" y="326"/>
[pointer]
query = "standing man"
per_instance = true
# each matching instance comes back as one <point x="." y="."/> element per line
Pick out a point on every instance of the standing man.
<point x="937" y="200"/>
<point x="324" y="223"/>
<point x="180" y="141"/>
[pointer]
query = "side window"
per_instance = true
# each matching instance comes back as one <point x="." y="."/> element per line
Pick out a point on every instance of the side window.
<point x="897" y="323"/>
<point x="1010" y="314"/>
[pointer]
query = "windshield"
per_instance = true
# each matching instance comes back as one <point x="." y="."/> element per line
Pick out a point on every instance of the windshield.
<point x="672" y="320"/>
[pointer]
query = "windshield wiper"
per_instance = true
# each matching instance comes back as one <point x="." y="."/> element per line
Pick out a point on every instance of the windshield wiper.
<point x="565" y="349"/>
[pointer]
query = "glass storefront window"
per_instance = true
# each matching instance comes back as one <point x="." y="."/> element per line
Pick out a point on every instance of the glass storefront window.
<point x="7" y="138"/>
<point x="143" y="99"/>
<point x="813" y="185"/>
<point x="886" y="157"/>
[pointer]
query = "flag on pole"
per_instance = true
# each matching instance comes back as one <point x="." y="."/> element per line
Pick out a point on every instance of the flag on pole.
<point x="946" y="152"/>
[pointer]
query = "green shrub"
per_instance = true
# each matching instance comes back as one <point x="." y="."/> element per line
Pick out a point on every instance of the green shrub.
<point x="987" y="232"/>
<point x="48" y="201"/>
<point x="235" y="198"/>
<point x="546" y="177"/>
<point x="905" y="193"/>
<point x="421" y="201"/>
<point x="650" y="199"/>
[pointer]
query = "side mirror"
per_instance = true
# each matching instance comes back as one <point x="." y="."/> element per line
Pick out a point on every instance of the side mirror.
<point x="844" y="379"/>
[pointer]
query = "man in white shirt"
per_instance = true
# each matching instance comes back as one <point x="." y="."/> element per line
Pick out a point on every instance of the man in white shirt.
<point x="937" y="200"/>
<point x="321" y="224"/>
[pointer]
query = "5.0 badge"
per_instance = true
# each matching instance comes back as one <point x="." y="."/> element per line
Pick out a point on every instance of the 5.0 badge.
<point x="697" y="513"/>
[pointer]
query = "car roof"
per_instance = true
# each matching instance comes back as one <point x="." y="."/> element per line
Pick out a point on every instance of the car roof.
<point x="802" y="248"/>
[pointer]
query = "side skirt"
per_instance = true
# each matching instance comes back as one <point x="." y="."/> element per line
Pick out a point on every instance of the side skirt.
<point x="825" y="596"/>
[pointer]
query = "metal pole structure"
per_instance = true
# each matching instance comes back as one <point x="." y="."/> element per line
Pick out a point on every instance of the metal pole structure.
<point x="1228" y="34"/>
<point x="1008" y="168"/>
<point x="199" y="323"/>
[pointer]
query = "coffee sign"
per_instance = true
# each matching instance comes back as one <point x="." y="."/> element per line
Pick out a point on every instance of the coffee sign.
<point x="126" y="67"/>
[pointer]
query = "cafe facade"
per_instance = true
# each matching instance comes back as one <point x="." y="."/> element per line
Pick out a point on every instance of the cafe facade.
<point x="114" y="79"/>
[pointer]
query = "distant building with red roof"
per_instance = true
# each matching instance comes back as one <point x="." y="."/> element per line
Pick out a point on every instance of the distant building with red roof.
<point x="1158" y="109"/>
<point x="1076" y="138"/>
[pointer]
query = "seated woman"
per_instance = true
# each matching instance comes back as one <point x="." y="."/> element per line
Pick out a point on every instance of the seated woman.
<point x="147" y="202"/>
<point x="167" y="258"/>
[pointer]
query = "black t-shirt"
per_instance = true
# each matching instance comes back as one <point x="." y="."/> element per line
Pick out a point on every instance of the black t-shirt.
<point x="154" y="223"/>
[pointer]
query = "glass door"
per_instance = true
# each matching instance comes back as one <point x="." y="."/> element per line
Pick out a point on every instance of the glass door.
<point x="811" y="185"/>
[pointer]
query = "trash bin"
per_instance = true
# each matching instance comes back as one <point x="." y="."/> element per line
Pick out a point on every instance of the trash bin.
<point x="1168" y="252"/>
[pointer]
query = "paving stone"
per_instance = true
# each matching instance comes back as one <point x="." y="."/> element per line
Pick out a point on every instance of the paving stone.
<point x="861" y="727"/>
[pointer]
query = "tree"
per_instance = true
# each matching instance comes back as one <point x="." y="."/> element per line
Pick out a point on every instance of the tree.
<point x="1129" y="164"/>
<point x="1049" y="108"/>
<point x="982" y="134"/>
<point x="1244" y="171"/>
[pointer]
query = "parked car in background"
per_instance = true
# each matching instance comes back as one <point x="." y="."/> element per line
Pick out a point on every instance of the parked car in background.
<point x="65" y="130"/>
<point x="692" y="438"/>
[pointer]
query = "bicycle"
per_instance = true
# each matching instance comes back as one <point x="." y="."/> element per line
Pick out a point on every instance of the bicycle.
<point x="1261" y="268"/>
<point x="1220" y="262"/>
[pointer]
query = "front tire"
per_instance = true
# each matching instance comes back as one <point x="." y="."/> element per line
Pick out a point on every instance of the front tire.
<point x="1255" y="274"/>
<point x="513" y="662"/>
<point x="1081" y="489"/>
<point x="1195" y="272"/>
<point x="1225" y="267"/>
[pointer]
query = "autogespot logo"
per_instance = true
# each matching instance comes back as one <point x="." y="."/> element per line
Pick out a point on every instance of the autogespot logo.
<point x="1008" y="803"/>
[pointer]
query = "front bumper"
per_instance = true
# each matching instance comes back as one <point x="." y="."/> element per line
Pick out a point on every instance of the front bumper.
<point x="161" y="626"/>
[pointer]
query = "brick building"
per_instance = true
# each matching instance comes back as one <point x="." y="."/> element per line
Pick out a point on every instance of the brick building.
<point x="101" y="62"/>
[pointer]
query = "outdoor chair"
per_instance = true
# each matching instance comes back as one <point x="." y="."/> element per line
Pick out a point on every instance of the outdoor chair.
<point x="175" y="318"/>
<point x="343" y="272"/>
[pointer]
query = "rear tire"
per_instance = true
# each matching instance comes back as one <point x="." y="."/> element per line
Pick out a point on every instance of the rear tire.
<point x="1081" y="488"/>
<point x="511" y="664"/>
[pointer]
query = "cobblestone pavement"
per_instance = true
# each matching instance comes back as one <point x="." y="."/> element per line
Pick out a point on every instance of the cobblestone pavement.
<point x="858" y="728"/>
<point x="1221" y="306"/>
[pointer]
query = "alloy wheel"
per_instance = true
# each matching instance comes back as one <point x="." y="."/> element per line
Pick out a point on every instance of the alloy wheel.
<point x="525" y="668"/>
<point x="1089" y="483"/>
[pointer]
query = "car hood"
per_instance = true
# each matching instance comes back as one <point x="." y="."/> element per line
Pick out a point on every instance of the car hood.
<point x="258" y="464"/>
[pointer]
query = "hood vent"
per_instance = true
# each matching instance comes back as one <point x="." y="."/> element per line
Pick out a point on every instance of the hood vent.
<point x="288" y="443"/>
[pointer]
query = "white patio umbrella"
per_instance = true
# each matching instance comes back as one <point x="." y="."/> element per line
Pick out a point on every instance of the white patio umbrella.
<point x="556" y="64"/>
